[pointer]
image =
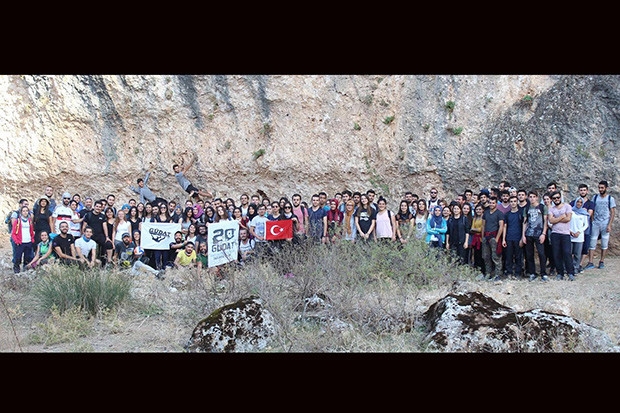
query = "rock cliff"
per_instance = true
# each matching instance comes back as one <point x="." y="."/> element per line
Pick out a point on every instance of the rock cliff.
<point x="95" y="134"/>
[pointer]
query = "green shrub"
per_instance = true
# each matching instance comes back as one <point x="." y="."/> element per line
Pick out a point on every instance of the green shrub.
<point x="66" y="287"/>
<point x="257" y="154"/>
<point x="388" y="119"/>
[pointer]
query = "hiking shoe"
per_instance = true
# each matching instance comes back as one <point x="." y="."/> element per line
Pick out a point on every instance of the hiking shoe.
<point x="589" y="266"/>
<point x="601" y="265"/>
<point x="532" y="277"/>
<point x="544" y="278"/>
<point x="571" y="277"/>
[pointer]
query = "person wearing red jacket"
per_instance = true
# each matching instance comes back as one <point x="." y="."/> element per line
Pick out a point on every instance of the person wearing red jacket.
<point x="22" y="234"/>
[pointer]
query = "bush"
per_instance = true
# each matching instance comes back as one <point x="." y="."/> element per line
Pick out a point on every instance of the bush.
<point x="345" y="297"/>
<point x="66" y="287"/>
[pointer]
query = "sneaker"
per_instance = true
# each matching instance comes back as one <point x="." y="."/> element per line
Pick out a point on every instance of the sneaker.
<point x="601" y="265"/>
<point x="497" y="278"/>
<point x="580" y="270"/>
<point x="559" y="277"/>
<point x="589" y="266"/>
<point x="544" y="278"/>
<point x="571" y="277"/>
<point x="532" y="277"/>
<point x="160" y="275"/>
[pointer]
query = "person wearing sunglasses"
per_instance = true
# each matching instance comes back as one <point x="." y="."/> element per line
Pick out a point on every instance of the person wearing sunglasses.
<point x="559" y="215"/>
<point x="62" y="212"/>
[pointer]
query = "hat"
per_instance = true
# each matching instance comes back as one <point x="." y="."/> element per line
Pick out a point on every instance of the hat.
<point x="66" y="195"/>
<point x="485" y="191"/>
<point x="126" y="234"/>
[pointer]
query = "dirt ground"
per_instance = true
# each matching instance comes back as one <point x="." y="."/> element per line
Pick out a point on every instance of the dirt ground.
<point x="594" y="298"/>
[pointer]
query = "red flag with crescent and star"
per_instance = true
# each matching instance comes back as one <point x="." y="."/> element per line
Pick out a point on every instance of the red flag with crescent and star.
<point x="280" y="229"/>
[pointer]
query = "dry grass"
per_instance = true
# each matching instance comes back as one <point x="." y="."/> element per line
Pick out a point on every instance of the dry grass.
<point x="369" y="301"/>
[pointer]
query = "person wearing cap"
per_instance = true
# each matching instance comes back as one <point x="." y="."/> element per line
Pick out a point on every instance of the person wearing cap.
<point x="125" y="257"/>
<point x="62" y="212"/>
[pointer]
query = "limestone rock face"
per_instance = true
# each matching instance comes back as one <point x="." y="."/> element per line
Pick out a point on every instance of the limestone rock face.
<point x="96" y="134"/>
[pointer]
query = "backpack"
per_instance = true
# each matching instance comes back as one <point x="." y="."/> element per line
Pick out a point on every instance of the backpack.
<point x="8" y="222"/>
<point x="595" y="197"/>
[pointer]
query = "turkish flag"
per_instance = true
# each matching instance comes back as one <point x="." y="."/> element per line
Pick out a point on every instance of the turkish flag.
<point x="280" y="229"/>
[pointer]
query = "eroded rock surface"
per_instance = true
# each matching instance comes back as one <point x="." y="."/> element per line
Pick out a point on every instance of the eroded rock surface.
<point x="474" y="322"/>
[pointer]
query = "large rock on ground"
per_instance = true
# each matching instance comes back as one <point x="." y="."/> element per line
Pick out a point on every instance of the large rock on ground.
<point x="474" y="322"/>
<point x="241" y="327"/>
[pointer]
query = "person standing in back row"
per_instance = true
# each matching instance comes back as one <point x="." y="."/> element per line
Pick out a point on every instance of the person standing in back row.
<point x="602" y="219"/>
<point x="185" y="183"/>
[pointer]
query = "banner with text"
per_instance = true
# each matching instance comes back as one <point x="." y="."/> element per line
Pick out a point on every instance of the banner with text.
<point x="223" y="242"/>
<point x="158" y="235"/>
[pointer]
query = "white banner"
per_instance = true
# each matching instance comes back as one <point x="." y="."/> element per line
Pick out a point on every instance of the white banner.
<point x="158" y="235"/>
<point x="223" y="242"/>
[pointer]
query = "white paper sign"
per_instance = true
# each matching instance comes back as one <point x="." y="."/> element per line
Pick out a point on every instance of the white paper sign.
<point x="158" y="235"/>
<point x="223" y="242"/>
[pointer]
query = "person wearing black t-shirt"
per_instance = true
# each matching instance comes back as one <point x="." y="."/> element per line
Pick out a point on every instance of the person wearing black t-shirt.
<point x="64" y="245"/>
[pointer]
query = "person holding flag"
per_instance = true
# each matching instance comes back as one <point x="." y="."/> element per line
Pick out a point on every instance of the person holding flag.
<point x="279" y="230"/>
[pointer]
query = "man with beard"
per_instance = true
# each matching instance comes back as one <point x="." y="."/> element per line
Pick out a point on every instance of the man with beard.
<point x="64" y="245"/>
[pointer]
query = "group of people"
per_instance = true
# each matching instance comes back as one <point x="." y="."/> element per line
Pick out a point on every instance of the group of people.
<point x="500" y="231"/>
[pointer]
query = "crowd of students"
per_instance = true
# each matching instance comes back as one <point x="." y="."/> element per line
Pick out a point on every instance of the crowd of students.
<point x="500" y="231"/>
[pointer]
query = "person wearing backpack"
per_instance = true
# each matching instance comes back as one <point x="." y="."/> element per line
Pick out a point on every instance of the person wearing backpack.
<point x="602" y="219"/>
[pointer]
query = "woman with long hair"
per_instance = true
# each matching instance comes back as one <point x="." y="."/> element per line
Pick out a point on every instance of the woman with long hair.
<point x="108" y="231"/>
<point x="238" y="216"/>
<point x="140" y="207"/>
<point x="121" y="226"/>
<point x="42" y="219"/>
<point x="221" y="214"/>
<point x="43" y="253"/>
<point x="365" y="220"/>
<point x="475" y="232"/>
<point x="134" y="219"/>
<point x="385" y="230"/>
<point x="349" y="229"/>
<point x="187" y="218"/>
<point x="192" y="233"/>
<point x="252" y="212"/>
<point x="458" y="233"/>
<point x="162" y="257"/>
<point x="467" y="213"/>
<point x="405" y="222"/>
<point x="420" y="219"/>
<point x="209" y="213"/>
